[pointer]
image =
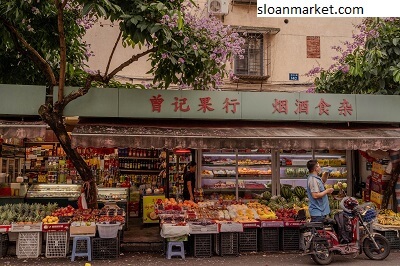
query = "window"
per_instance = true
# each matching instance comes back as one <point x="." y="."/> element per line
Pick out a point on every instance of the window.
<point x="252" y="63"/>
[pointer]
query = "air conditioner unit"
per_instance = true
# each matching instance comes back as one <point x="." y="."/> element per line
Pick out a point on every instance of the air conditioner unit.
<point x="218" y="7"/>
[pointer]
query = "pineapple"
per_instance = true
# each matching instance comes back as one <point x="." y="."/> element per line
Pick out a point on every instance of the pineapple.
<point x="3" y="216"/>
<point x="9" y="217"/>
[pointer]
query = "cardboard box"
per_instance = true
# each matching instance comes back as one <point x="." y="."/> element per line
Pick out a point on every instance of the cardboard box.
<point x="230" y="227"/>
<point x="272" y="223"/>
<point x="381" y="177"/>
<point x="78" y="229"/>
<point x="378" y="187"/>
<point x="378" y="168"/>
<point x="34" y="227"/>
<point x="203" y="229"/>
<point x="376" y="197"/>
<point x="251" y="224"/>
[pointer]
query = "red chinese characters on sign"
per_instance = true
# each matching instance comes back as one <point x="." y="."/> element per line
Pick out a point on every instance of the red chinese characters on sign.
<point x="302" y="107"/>
<point x="323" y="107"/>
<point x="345" y="108"/>
<point x="280" y="106"/>
<point x="205" y="104"/>
<point x="179" y="105"/>
<point x="230" y="102"/>
<point x="156" y="102"/>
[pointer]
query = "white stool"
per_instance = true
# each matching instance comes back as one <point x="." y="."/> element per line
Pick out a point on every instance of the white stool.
<point x="172" y="249"/>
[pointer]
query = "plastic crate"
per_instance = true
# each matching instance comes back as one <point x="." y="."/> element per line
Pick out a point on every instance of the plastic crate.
<point x="29" y="244"/>
<point x="105" y="248"/>
<point x="392" y="237"/>
<point x="248" y="240"/>
<point x="108" y="230"/>
<point x="290" y="239"/>
<point x="56" y="244"/>
<point x="202" y="245"/>
<point x="226" y="243"/>
<point x="4" y="244"/>
<point x="269" y="239"/>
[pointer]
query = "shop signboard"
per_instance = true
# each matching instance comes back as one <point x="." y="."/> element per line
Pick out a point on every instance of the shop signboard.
<point x="149" y="214"/>
<point x="205" y="104"/>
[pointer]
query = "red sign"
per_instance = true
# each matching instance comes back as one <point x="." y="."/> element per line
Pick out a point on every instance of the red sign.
<point x="55" y="227"/>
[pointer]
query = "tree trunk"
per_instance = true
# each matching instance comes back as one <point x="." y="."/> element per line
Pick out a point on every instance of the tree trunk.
<point x="56" y="123"/>
<point x="390" y="188"/>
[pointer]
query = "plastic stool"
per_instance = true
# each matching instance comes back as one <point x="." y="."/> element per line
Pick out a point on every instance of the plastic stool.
<point x="88" y="248"/>
<point x="171" y="252"/>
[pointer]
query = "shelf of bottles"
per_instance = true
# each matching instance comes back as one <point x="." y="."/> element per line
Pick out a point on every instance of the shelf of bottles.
<point x="293" y="166"/>
<point x="223" y="172"/>
<point x="177" y="163"/>
<point x="46" y="162"/>
<point x="140" y="166"/>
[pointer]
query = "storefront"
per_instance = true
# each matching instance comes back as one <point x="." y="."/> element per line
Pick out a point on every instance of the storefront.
<point x="245" y="143"/>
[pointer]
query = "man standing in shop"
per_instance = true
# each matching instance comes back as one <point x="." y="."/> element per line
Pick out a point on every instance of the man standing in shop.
<point x="317" y="194"/>
<point x="189" y="179"/>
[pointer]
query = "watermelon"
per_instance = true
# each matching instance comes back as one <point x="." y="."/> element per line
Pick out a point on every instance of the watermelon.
<point x="286" y="192"/>
<point x="266" y="195"/>
<point x="281" y="200"/>
<point x="300" y="192"/>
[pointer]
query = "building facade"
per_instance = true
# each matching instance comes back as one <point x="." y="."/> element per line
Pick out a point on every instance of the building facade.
<point x="278" y="51"/>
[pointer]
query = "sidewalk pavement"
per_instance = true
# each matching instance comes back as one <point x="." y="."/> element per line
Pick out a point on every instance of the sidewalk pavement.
<point x="247" y="259"/>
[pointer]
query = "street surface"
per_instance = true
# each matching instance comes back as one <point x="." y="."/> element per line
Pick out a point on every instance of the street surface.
<point x="248" y="259"/>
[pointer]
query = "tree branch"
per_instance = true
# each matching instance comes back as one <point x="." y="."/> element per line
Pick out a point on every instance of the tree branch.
<point x="112" y="52"/>
<point x="30" y="51"/>
<point x="64" y="4"/>
<point x="60" y="105"/>
<point x="127" y="63"/>
<point x="63" y="49"/>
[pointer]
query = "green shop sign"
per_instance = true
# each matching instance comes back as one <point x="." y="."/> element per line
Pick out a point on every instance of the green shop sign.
<point x="274" y="106"/>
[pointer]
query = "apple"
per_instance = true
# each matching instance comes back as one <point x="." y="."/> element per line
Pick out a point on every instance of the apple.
<point x="344" y="185"/>
<point x="336" y="186"/>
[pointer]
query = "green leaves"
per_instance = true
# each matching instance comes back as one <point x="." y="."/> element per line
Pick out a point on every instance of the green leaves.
<point x="373" y="67"/>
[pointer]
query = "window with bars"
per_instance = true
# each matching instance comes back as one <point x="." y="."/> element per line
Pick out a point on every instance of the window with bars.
<point x="252" y="62"/>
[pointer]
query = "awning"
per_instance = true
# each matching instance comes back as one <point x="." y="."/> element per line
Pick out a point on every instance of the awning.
<point x="234" y="134"/>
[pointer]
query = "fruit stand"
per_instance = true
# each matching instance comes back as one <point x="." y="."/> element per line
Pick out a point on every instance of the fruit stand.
<point x="34" y="223"/>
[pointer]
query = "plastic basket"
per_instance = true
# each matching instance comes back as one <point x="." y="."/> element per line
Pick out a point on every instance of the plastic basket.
<point x="4" y="244"/>
<point x="202" y="246"/>
<point x="269" y="239"/>
<point x="29" y="244"/>
<point x="290" y="239"/>
<point x="248" y="240"/>
<point x="105" y="248"/>
<point x="392" y="238"/>
<point x="56" y="244"/>
<point x="227" y="243"/>
<point x="108" y="230"/>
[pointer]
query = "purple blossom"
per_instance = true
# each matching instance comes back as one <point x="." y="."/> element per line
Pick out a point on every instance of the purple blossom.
<point x="310" y="90"/>
<point x="35" y="10"/>
<point x="164" y="55"/>
<point x="181" y="60"/>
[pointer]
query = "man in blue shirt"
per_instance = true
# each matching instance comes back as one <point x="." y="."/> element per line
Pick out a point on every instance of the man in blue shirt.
<point x="317" y="194"/>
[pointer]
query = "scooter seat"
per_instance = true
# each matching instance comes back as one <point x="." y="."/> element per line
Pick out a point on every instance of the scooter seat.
<point x="329" y="221"/>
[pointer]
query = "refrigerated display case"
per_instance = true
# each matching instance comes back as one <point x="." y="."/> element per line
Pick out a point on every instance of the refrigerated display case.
<point x="234" y="175"/>
<point x="11" y="161"/>
<point x="293" y="166"/>
<point x="118" y="196"/>
<point x="63" y="194"/>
